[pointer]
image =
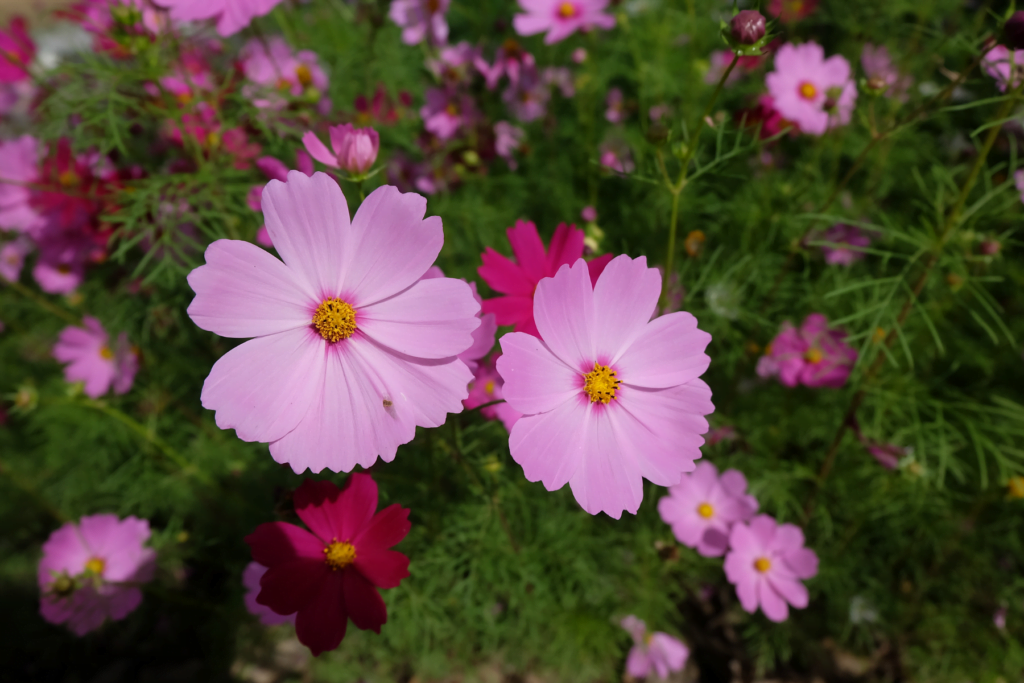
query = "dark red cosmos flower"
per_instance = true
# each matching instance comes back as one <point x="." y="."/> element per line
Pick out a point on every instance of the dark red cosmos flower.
<point x="332" y="574"/>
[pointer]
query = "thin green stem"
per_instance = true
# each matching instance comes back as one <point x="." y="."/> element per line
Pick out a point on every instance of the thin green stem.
<point x="44" y="304"/>
<point x="670" y="257"/>
<point x="703" y="118"/>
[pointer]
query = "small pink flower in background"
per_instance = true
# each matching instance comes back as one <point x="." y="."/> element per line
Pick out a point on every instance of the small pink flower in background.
<point x="447" y="112"/>
<point x="455" y="64"/>
<point x="616" y="106"/>
<point x="381" y="109"/>
<point x="579" y="55"/>
<point x="813" y="92"/>
<point x="589" y="214"/>
<point x="273" y="68"/>
<point x="812" y="355"/>
<point x="791" y="10"/>
<point x="999" y="618"/>
<point x="486" y="388"/>
<point x="702" y="508"/>
<point x="354" y="150"/>
<point x="881" y="73"/>
<point x="509" y="60"/>
<point x="231" y="15"/>
<point x="1000" y="61"/>
<point x="766" y="563"/>
<point x="527" y="98"/>
<point x="190" y="77"/>
<point x="254" y="571"/>
<point x="888" y="455"/>
<point x="91" y="359"/>
<point x="655" y="651"/>
<point x="90" y="571"/>
<point x="518" y="279"/>
<point x="609" y="397"/>
<point x="97" y="17"/>
<point x="658" y="112"/>
<point x="561" y="18"/>
<point x="615" y="155"/>
<point x="559" y="77"/>
<point x="421" y="20"/>
<point x="507" y="140"/>
<point x="357" y="349"/>
<point x="720" y="434"/>
<point x="19" y="167"/>
<point x="772" y="122"/>
<point x="61" y="265"/>
<point x="235" y="142"/>
<point x="12" y="258"/>
<point x="16" y="52"/>
<point x="842" y="237"/>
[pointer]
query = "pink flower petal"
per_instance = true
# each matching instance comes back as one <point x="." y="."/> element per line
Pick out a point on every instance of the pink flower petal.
<point x="535" y="380"/>
<point x="277" y="542"/>
<point x="318" y="150"/>
<point x="566" y="248"/>
<point x="638" y="664"/>
<point x="333" y="514"/>
<point x="382" y="568"/>
<point x="385" y="529"/>
<point x="322" y="623"/>
<point x="668" y="352"/>
<point x="625" y="297"/>
<point x="803" y="562"/>
<point x="510" y="310"/>
<point x="792" y="591"/>
<point x="287" y="587"/>
<point x="747" y="591"/>
<point x="502" y="275"/>
<point x="528" y="249"/>
<point x="608" y="478"/>
<point x="364" y="604"/>
<point x="772" y="604"/>
<point x="563" y="309"/>
<point x="549" y="447"/>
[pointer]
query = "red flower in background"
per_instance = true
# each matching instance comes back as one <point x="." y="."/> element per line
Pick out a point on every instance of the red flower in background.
<point x="16" y="52"/>
<point x="332" y="574"/>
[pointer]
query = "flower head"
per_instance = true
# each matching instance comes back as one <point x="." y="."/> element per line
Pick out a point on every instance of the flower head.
<point x="356" y="350"/>
<point x="882" y="74"/>
<point x="486" y="388"/>
<point x="1004" y="65"/>
<point x="421" y="19"/>
<point x="811" y="91"/>
<point x="616" y="106"/>
<point x="231" y="15"/>
<point x="518" y="279"/>
<point x="702" y="508"/>
<point x="507" y="140"/>
<point x="352" y="149"/>
<point x="747" y="27"/>
<point x="766" y="563"/>
<point x="91" y="359"/>
<point x="254" y="571"/>
<point x="653" y="650"/>
<point x="561" y="18"/>
<point x="273" y="69"/>
<point x="616" y="156"/>
<point x="527" y="97"/>
<point x="16" y="52"/>
<point x="845" y="242"/>
<point x="446" y="112"/>
<point x="91" y="569"/>
<point x="609" y="397"/>
<point x="330" y="573"/>
<point x="12" y="258"/>
<point x="19" y="159"/>
<point x="509" y="60"/>
<point x="812" y="355"/>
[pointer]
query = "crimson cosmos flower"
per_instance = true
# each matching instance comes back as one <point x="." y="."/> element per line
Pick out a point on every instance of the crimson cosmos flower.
<point x="332" y="574"/>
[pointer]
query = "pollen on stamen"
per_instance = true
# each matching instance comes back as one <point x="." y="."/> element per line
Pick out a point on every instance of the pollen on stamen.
<point x="567" y="10"/>
<point x="762" y="564"/>
<point x="339" y="555"/>
<point x="705" y="510"/>
<point x="335" y="320"/>
<point x="601" y="384"/>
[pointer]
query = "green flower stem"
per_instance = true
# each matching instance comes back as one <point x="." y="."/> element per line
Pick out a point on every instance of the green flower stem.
<point x="44" y="304"/>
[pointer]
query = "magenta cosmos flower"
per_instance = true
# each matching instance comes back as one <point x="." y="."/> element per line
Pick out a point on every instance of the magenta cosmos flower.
<point x="486" y="388"/>
<point x="609" y="397"/>
<point x="354" y="350"/>
<point x="91" y="570"/>
<point x="92" y="360"/>
<point x="702" y="508"/>
<point x="251" y="577"/>
<point x="231" y="15"/>
<point x="331" y="573"/>
<point x="561" y="18"/>
<point x="518" y="279"/>
<point x="655" y="651"/>
<point x="421" y="19"/>
<point x="766" y="562"/>
<point x="354" y="149"/>
<point x="812" y="355"/>
<point x="813" y="92"/>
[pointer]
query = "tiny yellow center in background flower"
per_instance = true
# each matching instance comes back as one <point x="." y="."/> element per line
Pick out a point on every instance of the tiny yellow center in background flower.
<point x="339" y="555"/>
<point x="95" y="566"/>
<point x="489" y="387"/>
<point x="1016" y="485"/>
<point x="304" y="75"/>
<point x="335" y="320"/>
<point x="68" y="178"/>
<point x="762" y="564"/>
<point x="808" y="91"/>
<point x="813" y="355"/>
<point x="705" y="510"/>
<point x="601" y="384"/>
<point x="106" y="353"/>
<point x="567" y="10"/>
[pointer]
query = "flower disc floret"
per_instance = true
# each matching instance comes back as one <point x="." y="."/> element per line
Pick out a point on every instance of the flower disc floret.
<point x="339" y="555"/>
<point x="600" y="384"/>
<point x="334" y="320"/>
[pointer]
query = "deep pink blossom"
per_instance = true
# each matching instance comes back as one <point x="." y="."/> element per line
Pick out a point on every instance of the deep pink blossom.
<point x="254" y="571"/>
<point x="616" y="156"/>
<point x="231" y="15"/>
<point x="510" y="60"/>
<point x="421" y="20"/>
<point x="559" y="19"/>
<point x="486" y="388"/>
<point x="844" y="241"/>
<point x="12" y="258"/>
<point x="16" y="52"/>
<point x="91" y="571"/>
<point x="609" y="397"/>
<point x="702" y="508"/>
<point x="332" y="573"/>
<point x="791" y="10"/>
<point x="19" y="169"/>
<point x="1004" y="65"/>
<point x="813" y="92"/>
<point x="653" y="651"/>
<point x="766" y="563"/>
<point x="91" y="359"/>
<point x="272" y="69"/>
<point x="812" y="355"/>
<point x="508" y="139"/>
<point x="356" y="350"/>
<point x="882" y="73"/>
<point x="446" y="112"/>
<point x="518" y="279"/>
<point x="353" y="150"/>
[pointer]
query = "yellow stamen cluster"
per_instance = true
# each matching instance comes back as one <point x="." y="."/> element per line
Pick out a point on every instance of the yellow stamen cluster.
<point x="813" y="355"/>
<point x="808" y="91"/>
<point x="762" y="564"/>
<point x="304" y="75"/>
<point x="705" y="510"/>
<point x="335" y="320"/>
<point x="489" y="387"/>
<point x="106" y="353"/>
<point x="96" y="566"/>
<point x="339" y="555"/>
<point x="600" y="384"/>
<point x="567" y="10"/>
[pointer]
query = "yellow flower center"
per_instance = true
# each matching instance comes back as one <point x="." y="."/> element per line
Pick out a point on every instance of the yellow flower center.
<point x="808" y="91"/>
<point x="705" y="510"/>
<point x="339" y="555"/>
<point x="1016" y="485"/>
<point x="68" y="178"/>
<point x="879" y="336"/>
<point x="106" y="353"/>
<point x="489" y="387"/>
<point x="304" y="75"/>
<point x="433" y="6"/>
<point x="600" y="384"/>
<point x="567" y="10"/>
<point x="762" y="564"/>
<point x="334" y="320"/>
<point x="813" y="355"/>
<point x="451" y="109"/>
<point x="95" y="566"/>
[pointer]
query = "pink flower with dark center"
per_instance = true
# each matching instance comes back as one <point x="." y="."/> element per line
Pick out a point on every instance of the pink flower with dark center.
<point x="766" y="563"/>
<point x="251" y="577"/>
<point x="356" y="350"/>
<point x="509" y="60"/>
<point x="609" y="397"/>
<point x="702" y="508"/>
<point x="353" y="150"/>
<point x="446" y="112"/>
<point x="421" y="20"/>
<point x="12" y="258"/>
<point x="655" y="651"/>
<point x="486" y="388"/>
<point x="791" y="10"/>
<point x="19" y="168"/>
<point x="274" y="69"/>
<point x="844" y="240"/>
<point x="231" y="15"/>
<point x="882" y="74"/>
<point x="561" y="18"/>
<point x="527" y="97"/>
<point x="813" y="92"/>
<point x="1004" y="65"/>
<point x="812" y="355"/>
<point x="518" y="279"/>
<point x="616" y="106"/>
<point x="91" y="359"/>
<point x="91" y="571"/>
<point x="331" y="573"/>
<point x="508" y="139"/>
<point x="16" y="52"/>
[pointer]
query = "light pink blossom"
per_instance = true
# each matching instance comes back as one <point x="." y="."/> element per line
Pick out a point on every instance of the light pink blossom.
<point x="766" y="563"/>
<point x="609" y="396"/>
<point x="91" y="571"/>
<point x="881" y="73"/>
<point x="446" y="112"/>
<point x="274" y="169"/>
<point x="559" y="77"/>
<point x="455" y="64"/>
<point x="1000" y="61"/>
<point x="559" y="19"/>
<point x="421" y="19"/>
<point x="353" y="150"/>
<point x="657" y="651"/>
<point x="272" y="68"/>
<point x="527" y="98"/>
<point x="616" y="106"/>
<point x="507" y="140"/>
<point x="702" y="508"/>
<point x="812" y="355"/>
<point x="354" y="349"/>
<point x="813" y="92"/>
<point x="231" y="15"/>
<point x="845" y="244"/>
<point x="12" y="258"/>
<point x="254" y="571"/>
<point x="91" y="359"/>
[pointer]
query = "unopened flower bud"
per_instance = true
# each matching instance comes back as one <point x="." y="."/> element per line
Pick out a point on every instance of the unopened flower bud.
<point x="1014" y="31"/>
<point x="352" y="149"/>
<point x="748" y="27"/>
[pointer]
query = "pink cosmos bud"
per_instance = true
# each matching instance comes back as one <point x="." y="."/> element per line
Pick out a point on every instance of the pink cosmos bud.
<point x="748" y="27"/>
<point x="1014" y="31"/>
<point x="354" y="149"/>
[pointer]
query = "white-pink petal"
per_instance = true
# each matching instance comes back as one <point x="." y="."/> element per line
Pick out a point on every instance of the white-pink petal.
<point x="668" y="352"/>
<point x="608" y="479"/>
<point x="535" y="380"/>
<point x="549" y="447"/>
<point x="625" y="297"/>
<point x="563" y="308"/>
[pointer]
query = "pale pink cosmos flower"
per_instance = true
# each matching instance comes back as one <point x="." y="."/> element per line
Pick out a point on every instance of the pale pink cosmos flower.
<point x="881" y="73"/>
<point x="272" y="68"/>
<point x="1000" y="61"/>
<point x="19" y="168"/>
<point x="766" y="563"/>
<point x="354" y="349"/>
<point x="486" y="387"/>
<point x="352" y="149"/>
<point x="589" y="214"/>
<point x="845" y="244"/>
<point x="12" y="258"/>
<point x="559" y="77"/>
<point x="609" y="397"/>
<point x="446" y="112"/>
<point x="231" y="15"/>
<point x="91" y="571"/>
<point x="813" y="92"/>
<point x="812" y="355"/>
<point x="507" y="140"/>
<point x="655" y="651"/>
<point x="579" y="55"/>
<point x="421" y="20"/>
<point x="91" y="358"/>
<point x="561" y="18"/>
<point x="254" y="571"/>
<point x="702" y="508"/>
